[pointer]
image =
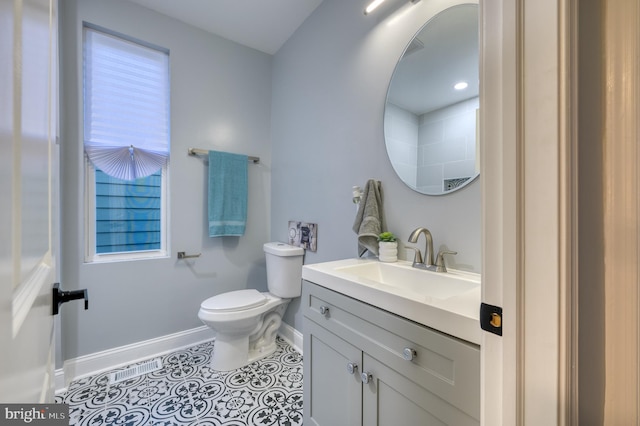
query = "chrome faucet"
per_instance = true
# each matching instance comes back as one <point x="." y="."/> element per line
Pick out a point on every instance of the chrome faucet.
<point x="440" y="266"/>
<point x="428" y="251"/>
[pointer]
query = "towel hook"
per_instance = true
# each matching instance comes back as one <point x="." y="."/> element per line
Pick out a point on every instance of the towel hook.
<point x="357" y="193"/>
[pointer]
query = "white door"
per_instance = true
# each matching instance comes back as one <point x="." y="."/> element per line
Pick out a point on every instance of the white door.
<point x="28" y="198"/>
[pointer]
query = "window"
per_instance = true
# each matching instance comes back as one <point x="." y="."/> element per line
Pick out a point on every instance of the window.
<point x="126" y="145"/>
<point x="128" y="213"/>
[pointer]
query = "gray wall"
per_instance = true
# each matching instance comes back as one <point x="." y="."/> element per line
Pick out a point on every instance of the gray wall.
<point x="329" y="88"/>
<point x="315" y="108"/>
<point x="221" y="99"/>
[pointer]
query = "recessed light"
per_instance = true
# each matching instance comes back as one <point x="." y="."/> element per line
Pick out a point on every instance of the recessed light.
<point x="461" y="85"/>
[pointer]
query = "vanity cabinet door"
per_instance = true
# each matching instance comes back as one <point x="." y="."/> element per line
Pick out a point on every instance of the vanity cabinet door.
<point x="332" y="390"/>
<point x="438" y="385"/>
<point x="391" y="399"/>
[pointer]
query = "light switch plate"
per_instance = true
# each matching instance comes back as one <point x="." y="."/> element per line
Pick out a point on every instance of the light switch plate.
<point x="303" y="234"/>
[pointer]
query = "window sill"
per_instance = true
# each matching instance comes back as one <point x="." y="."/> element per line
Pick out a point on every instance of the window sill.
<point x="127" y="257"/>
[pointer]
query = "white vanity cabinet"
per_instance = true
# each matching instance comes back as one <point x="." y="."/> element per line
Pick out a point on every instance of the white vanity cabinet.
<point x="366" y="366"/>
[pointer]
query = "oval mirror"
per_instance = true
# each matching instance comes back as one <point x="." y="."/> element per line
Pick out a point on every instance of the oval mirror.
<point x="430" y="117"/>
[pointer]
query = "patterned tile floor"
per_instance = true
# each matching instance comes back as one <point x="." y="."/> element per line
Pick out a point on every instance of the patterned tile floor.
<point x="187" y="392"/>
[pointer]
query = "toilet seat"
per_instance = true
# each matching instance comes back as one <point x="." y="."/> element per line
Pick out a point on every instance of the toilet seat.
<point x="238" y="300"/>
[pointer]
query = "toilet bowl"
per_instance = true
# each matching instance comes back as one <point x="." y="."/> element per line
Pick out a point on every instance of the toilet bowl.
<point x="246" y="322"/>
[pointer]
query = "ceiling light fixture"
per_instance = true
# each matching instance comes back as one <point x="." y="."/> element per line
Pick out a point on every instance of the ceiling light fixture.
<point x="375" y="3"/>
<point x="461" y="85"/>
<point x="372" y="6"/>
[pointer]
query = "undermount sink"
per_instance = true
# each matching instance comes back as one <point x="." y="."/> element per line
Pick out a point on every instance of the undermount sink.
<point x="404" y="277"/>
<point x="449" y="302"/>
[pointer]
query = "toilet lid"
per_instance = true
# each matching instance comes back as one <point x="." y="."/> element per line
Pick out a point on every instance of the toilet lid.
<point x="234" y="300"/>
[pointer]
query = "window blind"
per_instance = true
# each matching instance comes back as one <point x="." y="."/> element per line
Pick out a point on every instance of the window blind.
<point x="126" y="105"/>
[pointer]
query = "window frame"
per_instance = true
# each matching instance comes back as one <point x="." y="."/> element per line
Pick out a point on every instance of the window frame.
<point x="90" y="254"/>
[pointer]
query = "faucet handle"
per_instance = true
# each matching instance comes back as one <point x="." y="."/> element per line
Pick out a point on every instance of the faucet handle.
<point x="440" y="266"/>
<point x="417" y="256"/>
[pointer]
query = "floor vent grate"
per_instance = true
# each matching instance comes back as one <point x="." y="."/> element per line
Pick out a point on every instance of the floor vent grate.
<point x="135" y="371"/>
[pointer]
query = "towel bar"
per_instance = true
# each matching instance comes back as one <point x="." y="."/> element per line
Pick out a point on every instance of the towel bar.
<point x="197" y="151"/>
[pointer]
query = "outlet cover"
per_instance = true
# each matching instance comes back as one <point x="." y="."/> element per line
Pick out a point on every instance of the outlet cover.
<point x="303" y="234"/>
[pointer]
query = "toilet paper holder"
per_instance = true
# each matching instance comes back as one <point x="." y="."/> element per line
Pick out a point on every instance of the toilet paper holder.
<point x="184" y="255"/>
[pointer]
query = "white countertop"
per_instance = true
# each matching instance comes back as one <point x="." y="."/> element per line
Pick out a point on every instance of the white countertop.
<point x="457" y="315"/>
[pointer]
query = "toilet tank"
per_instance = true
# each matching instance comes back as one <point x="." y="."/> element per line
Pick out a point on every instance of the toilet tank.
<point x="284" y="269"/>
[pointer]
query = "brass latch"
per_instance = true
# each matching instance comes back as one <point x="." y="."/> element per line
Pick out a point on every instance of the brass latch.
<point x="496" y="320"/>
<point x="491" y="318"/>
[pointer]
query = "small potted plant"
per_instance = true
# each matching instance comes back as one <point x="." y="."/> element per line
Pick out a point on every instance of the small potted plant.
<point x="387" y="247"/>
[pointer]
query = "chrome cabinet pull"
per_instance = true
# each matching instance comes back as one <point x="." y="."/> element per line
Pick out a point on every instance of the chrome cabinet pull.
<point x="366" y="377"/>
<point x="352" y="367"/>
<point x="324" y="310"/>
<point x="409" y="353"/>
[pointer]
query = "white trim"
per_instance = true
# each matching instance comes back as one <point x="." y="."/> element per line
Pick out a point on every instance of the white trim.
<point x="568" y="204"/>
<point x="99" y="362"/>
<point x="500" y="165"/>
<point x="544" y="246"/>
<point x="49" y="379"/>
<point x="25" y="295"/>
<point x="291" y="336"/>
<point x="58" y="381"/>
<point x="525" y="127"/>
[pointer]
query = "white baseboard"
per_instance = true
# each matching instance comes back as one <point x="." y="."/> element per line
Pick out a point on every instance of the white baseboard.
<point x="291" y="335"/>
<point x="60" y="386"/>
<point x="99" y="362"/>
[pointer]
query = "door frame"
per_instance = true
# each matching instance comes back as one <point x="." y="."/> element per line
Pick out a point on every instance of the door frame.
<point x="528" y="208"/>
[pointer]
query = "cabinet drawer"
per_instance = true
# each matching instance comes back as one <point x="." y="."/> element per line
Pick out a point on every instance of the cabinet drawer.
<point x="443" y="365"/>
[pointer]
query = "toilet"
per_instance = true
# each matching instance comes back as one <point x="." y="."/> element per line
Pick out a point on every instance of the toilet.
<point x="246" y="321"/>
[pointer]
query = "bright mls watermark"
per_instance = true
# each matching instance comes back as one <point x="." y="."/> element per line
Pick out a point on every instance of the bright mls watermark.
<point x="34" y="414"/>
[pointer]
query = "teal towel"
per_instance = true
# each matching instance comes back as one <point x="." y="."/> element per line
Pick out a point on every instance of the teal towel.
<point x="227" y="194"/>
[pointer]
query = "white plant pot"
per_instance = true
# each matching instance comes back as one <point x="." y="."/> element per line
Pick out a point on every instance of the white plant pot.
<point x="388" y="251"/>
